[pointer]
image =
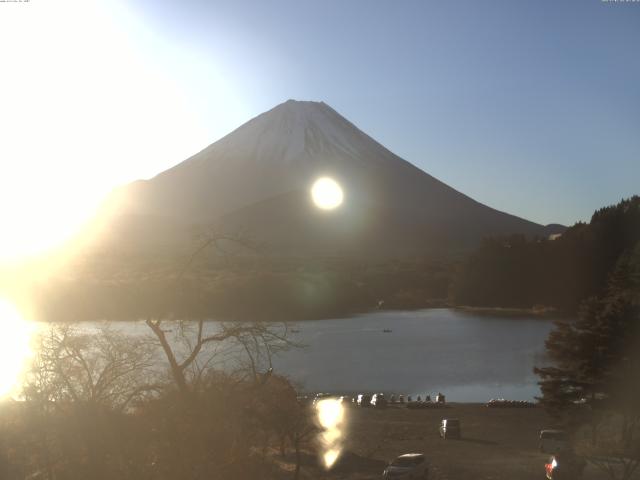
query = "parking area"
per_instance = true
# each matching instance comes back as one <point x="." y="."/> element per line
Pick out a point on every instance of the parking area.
<point x="496" y="443"/>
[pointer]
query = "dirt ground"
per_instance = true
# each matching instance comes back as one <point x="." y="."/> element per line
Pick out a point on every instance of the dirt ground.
<point x="496" y="444"/>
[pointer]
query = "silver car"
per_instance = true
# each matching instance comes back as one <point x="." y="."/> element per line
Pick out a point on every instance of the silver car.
<point x="407" y="466"/>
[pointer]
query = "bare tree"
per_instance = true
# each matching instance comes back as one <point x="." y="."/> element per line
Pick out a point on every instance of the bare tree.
<point x="108" y="368"/>
<point x="77" y="391"/>
<point x="258" y="340"/>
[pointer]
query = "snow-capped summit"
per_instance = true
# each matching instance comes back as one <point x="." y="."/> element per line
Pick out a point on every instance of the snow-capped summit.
<point x="284" y="132"/>
<point x="294" y="132"/>
<point x="257" y="179"/>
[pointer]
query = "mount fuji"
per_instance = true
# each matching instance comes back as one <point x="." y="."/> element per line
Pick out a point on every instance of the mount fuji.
<point x="257" y="179"/>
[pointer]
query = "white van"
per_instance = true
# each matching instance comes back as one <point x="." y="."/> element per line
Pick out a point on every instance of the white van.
<point x="553" y="441"/>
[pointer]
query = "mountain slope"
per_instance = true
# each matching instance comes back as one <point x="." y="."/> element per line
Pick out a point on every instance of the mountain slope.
<point x="257" y="178"/>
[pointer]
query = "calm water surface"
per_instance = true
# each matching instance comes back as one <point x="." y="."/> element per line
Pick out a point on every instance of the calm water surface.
<point x="468" y="356"/>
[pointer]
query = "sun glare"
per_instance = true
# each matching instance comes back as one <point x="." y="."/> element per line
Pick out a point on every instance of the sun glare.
<point x="15" y="347"/>
<point x="326" y="193"/>
<point x="86" y="106"/>
<point x="331" y="418"/>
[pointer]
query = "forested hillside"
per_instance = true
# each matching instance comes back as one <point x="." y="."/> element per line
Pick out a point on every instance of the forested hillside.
<point x="517" y="272"/>
<point x="245" y="288"/>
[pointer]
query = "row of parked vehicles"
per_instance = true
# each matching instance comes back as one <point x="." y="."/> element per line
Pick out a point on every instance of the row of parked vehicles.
<point x="502" y="403"/>
<point x="365" y="400"/>
<point x="376" y="400"/>
<point x="379" y="400"/>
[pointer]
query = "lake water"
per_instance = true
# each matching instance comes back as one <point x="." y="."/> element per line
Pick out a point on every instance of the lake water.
<point x="468" y="356"/>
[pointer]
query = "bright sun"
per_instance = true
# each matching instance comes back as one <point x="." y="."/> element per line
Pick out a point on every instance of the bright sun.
<point x="326" y="193"/>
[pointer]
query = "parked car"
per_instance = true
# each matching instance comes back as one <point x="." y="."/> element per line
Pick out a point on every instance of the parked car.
<point x="553" y="441"/>
<point x="363" y="400"/>
<point x="407" y="466"/>
<point x="378" y="401"/>
<point x="450" y="428"/>
<point x="565" y="466"/>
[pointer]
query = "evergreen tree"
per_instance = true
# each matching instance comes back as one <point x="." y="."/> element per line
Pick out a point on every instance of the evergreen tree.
<point x="595" y="376"/>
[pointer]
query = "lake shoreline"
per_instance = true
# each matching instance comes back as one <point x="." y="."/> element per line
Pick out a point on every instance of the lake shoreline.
<point x="542" y="312"/>
<point x="436" y="305"/>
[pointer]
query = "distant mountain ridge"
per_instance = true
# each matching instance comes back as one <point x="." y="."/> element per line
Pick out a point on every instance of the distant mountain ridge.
<point x="257" y="180"/>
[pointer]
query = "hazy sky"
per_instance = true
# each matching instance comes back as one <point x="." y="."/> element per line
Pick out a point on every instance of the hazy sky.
<point x="532" y="107"/>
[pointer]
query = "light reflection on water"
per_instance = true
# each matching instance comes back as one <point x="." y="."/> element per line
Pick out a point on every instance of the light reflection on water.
<point x="468" y="356"/>
<point x="331" y="418"/>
